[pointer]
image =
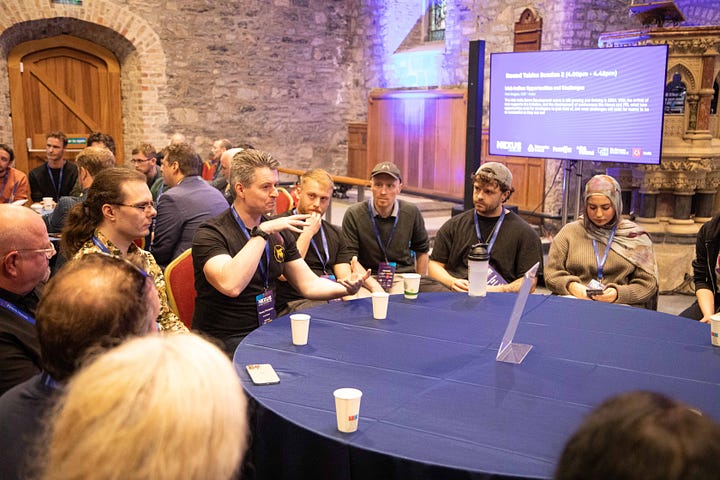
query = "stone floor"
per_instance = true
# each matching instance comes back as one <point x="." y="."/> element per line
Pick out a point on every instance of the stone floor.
<point x="674" y="261"/>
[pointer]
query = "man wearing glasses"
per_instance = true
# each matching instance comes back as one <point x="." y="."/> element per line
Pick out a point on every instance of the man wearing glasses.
<point x="118" y="210"/>
<point x="144" y="159"/>
<point x="25" y="251"/>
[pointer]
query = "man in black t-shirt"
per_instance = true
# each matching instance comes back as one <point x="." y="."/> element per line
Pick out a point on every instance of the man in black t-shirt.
<point x="321" y="244"/>
<point x="239" y="255"/>
<point x="514" y="246"/>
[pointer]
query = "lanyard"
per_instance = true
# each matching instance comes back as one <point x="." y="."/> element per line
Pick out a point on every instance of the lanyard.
<point x="601" y="261"/>
<point x="377" y="232"/>
<point x="49" y="381"/>
<point x="101" y="245"/>
<point x="13" y="309"/>
<point x="58" y="186"/>
<point x="324" y="260"/>
<point x="5" y="180"/>
<point x="493" y="234"/>
<point x="264" y="269"/>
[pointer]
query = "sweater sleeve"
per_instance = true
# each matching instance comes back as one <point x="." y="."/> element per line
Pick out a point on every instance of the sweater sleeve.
<point x="557" y="275"/>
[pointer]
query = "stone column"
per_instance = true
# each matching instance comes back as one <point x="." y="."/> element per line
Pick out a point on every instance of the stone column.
<point x="647" y="179"/>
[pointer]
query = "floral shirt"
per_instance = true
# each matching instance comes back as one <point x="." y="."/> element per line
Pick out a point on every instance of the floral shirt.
<point x="167" y="320"/>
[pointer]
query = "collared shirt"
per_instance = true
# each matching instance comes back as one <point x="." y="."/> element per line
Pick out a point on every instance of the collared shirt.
<point x="394" y="213"/>
<point x="168" y="321"/>
<point x="13" y="186"/>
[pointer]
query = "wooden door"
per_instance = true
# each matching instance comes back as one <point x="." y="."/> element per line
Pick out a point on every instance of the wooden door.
<point x="62" y="83"/>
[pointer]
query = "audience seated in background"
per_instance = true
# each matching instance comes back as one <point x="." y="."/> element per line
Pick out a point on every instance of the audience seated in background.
<point x="90" y="161"/>
<point x="144" y="159"/>
<point x="25" y="250"/>
<point x="14" y="182"/>
<point x="386" y="235"/>
<point x="239" y="255"/>
<point x="117" y="210"/>
<point x="513" y="245"/>
<point x="92" y="304"/>
<point x="642" y="436"/>
<point x="705" y="265"/>
<point x="154" y="408"/>
<point x="211" y="167"/>
<point x="99" y="139"/>
<point x="603" y="252"/>
<point x="56" y="177"/>
<point x="320" y="243"/>
<point x="189" y="201"/>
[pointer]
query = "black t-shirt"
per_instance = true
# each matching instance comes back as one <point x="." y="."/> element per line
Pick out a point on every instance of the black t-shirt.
<point x="336" y="250"/>
<point x="517" y="247"/>
<point x="217" y="314"/>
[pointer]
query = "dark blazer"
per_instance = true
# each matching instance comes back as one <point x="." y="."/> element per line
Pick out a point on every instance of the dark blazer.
<point x="180" y="211"/>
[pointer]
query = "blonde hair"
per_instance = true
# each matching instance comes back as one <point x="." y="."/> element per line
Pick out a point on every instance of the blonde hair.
<point x="158" y="407"/>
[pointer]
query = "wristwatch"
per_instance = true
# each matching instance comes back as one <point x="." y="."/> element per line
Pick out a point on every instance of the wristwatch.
<point x="259" y="232"/>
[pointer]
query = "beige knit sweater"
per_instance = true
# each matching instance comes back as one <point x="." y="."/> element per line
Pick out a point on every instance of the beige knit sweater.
<point x="572" y="259"/>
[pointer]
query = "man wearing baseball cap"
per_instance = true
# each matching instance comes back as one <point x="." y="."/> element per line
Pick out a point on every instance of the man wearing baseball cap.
<point x="387" y="235"/>
<point x="514" y="246"/>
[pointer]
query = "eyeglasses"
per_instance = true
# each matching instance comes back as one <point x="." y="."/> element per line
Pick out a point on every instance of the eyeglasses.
<point x="49" y="252"/>
<point x="145" y="207"/>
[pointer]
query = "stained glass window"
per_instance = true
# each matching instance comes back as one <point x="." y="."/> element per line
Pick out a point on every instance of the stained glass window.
<point x="436" y="20"/>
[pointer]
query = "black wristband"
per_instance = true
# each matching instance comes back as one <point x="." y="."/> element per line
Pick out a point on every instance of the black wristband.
<point x="259" y="232"/>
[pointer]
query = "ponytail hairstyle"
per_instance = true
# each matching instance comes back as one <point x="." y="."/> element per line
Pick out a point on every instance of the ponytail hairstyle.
<point x="84" y="218"/>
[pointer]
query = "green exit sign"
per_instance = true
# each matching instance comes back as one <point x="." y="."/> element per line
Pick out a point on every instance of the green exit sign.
<point x="67" y="2"/>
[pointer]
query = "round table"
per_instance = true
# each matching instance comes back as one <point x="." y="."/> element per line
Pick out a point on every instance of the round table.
<point x="436" y="403"/>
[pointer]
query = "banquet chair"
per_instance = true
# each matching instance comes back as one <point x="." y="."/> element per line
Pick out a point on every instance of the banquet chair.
<point x="284" y="201"/>
<point x="180" y="285"/>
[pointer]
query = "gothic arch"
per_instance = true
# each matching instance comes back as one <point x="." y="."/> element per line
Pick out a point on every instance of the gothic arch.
<point x="685" y="73"/>
<point x="134" y="42"/>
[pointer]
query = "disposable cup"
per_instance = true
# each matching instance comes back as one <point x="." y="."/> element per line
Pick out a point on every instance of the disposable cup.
<point x="380" y="305"/>
<point x="300" y="325"/>
<point x="47" y="203"/>
<point x="715" y="329"/>
<point x="411" y="283"/>
<point x="347" y="408"/>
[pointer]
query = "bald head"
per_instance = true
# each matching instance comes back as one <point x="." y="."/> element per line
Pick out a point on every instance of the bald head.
<point x="23" y="232"/>
<point x="225" y="160"/>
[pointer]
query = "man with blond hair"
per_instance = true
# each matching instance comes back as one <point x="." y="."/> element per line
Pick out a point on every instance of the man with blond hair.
<point x="321" y="243"/>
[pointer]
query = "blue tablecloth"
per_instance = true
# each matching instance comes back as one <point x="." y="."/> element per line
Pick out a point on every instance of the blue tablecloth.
<point x="436" y="403"/>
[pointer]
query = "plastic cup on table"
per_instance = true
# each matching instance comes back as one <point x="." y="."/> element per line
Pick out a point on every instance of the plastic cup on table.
<point x="715" y="329"/>
<point x="347" y="408"/>
<point x="380" y="305"/>
<point x="411" y="285"/>
<point x="300" y="325"/>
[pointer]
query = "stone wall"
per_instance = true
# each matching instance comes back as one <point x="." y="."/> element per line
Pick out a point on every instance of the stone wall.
<point x="282" y="75"/>
<point x="288" y="75"/>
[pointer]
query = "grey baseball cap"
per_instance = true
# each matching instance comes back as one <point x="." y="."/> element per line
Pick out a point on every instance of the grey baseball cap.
<point x="496" y="171"/>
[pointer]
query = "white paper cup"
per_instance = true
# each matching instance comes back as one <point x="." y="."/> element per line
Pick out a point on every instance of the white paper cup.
<point x="47" y="203"/>
<point x="347" y="408"/>
<point x="300" y="325"/>
<point x="411" y="284"/>
<point x="380" y="305"/>
<point x="37" y="207"/>
<point x="715" y="329"/>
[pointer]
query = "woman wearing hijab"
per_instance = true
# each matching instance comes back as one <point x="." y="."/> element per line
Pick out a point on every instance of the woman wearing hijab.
<point x="602" y="256"/>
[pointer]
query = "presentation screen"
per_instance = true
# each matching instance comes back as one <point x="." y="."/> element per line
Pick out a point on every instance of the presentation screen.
<point x="602" y="105"/>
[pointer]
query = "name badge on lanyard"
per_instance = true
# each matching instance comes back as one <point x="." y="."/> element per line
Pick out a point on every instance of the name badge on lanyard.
<point x="265" y="303"/>
<point x="386" y="269"/>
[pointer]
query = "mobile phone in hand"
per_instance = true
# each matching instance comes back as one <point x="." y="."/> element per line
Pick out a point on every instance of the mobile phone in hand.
<point x="591" y="292"/>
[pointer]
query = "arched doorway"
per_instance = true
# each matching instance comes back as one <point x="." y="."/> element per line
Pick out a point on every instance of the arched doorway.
<point x="62" y="83"/>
